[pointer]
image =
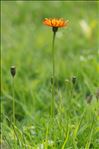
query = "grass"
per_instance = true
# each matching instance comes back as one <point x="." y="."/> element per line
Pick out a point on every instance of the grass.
<point x="26" y="43"/>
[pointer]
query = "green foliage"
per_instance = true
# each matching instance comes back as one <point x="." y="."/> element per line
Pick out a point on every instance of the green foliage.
<point x="26" y="43"/>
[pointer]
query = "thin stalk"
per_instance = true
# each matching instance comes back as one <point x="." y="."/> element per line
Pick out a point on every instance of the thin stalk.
<point x="53" y="75"/>
<point x="13" y="104"/>
<point x="13" y="108"/>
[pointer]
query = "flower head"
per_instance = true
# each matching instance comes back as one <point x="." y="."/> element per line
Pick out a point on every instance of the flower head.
<point x="55" y="22"/>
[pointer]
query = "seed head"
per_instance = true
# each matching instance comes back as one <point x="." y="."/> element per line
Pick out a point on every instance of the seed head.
<point x="13" y="71"/>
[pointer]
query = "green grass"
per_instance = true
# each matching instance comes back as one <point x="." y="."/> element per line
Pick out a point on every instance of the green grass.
<point x="26" y="43"/>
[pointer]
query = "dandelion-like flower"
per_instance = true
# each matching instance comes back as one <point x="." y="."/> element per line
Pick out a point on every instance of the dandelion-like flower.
<point x="55" y="24"/>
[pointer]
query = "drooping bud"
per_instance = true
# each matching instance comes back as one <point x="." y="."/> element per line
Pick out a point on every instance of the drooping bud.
<point x="13" y="70"/>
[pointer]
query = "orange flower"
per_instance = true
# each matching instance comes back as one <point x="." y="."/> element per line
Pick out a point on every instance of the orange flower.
<point x="55" y="22"/>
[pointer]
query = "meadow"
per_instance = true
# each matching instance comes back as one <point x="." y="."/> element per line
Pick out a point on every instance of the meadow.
<point x="26" y="44"/>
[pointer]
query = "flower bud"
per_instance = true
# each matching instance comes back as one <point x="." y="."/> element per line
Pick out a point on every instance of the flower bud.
<point x="13" y="71"/>
<point x="74" y="79"/>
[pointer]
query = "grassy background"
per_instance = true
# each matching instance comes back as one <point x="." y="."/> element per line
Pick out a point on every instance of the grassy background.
<point x="26" y="43"/>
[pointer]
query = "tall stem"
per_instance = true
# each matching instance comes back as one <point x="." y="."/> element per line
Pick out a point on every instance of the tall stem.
<point x="13" y="106"/>
<point x="53" y="75"/>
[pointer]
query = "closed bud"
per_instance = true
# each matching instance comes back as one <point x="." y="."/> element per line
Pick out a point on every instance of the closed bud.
<point x="74" y="79"/>
<point x="13" y="71"/>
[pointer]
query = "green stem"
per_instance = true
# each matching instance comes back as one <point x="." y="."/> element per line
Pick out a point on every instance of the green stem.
<point x="13" y="106"/>
<point x="53" y="75"/>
